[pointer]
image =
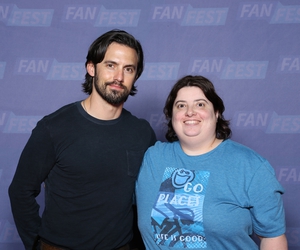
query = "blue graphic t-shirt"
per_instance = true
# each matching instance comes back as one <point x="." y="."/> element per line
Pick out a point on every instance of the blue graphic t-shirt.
<point x="211" y="201"/>
<point x="177" y="215"/>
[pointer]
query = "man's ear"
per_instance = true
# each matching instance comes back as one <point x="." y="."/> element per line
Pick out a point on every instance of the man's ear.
<point x="90" y="68"/>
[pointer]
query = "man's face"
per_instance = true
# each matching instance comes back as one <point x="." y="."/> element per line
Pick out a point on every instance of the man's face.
<point x="115" y="75"/>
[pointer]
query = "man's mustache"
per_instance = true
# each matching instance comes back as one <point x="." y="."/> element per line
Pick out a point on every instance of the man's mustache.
<point x="115" y="83"/>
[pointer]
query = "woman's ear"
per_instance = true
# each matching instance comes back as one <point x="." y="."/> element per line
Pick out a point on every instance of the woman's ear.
<point x="90" y="68"/>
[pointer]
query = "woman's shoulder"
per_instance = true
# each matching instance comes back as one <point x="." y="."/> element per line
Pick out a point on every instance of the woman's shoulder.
<point x="159" y="145"/>
<point x="240" y="150"/>
<point x="239" y="147"/>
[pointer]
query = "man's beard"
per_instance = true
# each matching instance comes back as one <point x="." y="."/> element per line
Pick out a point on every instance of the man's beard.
<point x="113" y="97"/>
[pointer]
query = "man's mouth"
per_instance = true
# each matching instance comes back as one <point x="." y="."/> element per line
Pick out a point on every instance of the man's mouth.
<point x="115" y="85"/>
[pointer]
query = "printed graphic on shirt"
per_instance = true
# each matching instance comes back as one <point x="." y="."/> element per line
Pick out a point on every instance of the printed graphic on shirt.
<point x="177" y="215"/>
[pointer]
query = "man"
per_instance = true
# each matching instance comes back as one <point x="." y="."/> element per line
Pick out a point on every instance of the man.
<point x="88" y="155"/>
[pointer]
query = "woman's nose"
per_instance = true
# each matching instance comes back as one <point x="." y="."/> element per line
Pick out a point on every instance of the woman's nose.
<point x="190" y="111"/>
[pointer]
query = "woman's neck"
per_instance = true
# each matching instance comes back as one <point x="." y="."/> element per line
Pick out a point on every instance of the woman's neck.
<point x="196" y="148"/>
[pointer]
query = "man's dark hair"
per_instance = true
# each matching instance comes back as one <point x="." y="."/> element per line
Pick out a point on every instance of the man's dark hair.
<point x="98" y="50"/>
<point x="222" y="130"/>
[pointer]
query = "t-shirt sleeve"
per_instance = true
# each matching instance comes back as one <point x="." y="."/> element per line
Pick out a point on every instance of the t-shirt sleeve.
<point x="265" y="194"/>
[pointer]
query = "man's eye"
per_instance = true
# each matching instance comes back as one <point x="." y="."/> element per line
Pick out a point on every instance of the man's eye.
<point x="129" y="70"/>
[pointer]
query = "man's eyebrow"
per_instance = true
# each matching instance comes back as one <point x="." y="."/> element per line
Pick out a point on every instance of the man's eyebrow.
<point x="109" y="61"/>
<point x="130" y="65"/>
<point x="113" y="62"/>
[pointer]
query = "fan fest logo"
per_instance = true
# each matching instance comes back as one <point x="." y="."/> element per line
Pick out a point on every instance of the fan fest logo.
<point x="270" y="122"/>
<point x="13" y="16"/>
<point x="186" y="15"/>
<point x="99" y="16"/>
<point x="288" y="174"/>
<point x="225" y="68"/>
<point x="50" y="68"/>
<point x="11" y="123"/>
<point x="273" y="12"/>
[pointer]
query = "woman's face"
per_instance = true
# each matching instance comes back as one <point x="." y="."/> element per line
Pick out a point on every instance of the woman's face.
<point x="193" y="115"/>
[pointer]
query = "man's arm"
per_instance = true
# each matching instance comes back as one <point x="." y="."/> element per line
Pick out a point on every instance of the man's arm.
<point x="276" y="243"/>
<point x="34" y="165"/>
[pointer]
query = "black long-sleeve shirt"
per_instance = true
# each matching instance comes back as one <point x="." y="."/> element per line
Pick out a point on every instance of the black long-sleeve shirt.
<point x="89" y="167"/>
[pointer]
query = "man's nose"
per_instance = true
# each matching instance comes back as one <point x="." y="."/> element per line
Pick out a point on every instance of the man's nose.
<point x="119" y="75"/>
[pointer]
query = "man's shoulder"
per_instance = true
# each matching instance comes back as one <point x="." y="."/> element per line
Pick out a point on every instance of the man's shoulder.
<point x="60" y="116"/>
<point x="62" y="111"/>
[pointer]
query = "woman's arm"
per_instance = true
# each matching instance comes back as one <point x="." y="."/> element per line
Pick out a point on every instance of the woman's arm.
<point x="276" y="243"/>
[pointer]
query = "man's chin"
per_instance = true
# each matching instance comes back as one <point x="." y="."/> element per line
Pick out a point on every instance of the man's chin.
<point x="117" y="101"/>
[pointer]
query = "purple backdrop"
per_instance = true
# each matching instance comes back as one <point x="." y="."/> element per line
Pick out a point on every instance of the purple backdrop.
<point x="249" y="49"/>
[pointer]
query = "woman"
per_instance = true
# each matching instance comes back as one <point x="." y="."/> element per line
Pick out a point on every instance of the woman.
<point x="202" y="190"/>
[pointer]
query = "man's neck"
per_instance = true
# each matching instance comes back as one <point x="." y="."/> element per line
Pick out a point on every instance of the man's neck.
<point x="100" y="109"/>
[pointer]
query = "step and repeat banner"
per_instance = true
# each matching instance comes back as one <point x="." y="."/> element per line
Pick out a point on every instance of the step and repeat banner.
<point x="249" y="49"/>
